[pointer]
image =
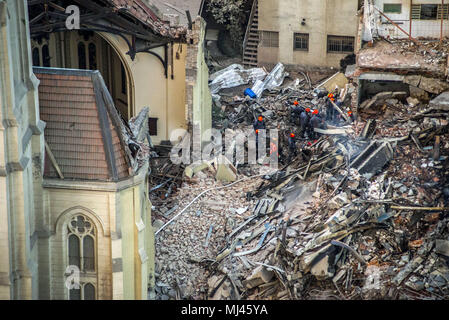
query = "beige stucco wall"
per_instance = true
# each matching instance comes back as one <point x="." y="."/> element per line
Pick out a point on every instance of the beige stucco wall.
<point x="323" y="18"/>
<point x="122" y="217"/>
<point x="164" y="96"/>
<point x="61" y="205"/>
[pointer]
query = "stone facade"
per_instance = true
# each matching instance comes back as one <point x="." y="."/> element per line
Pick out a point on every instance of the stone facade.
<point x="37" y="215"/>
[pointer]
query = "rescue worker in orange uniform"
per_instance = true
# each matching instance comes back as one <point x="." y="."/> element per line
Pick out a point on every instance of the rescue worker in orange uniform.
<point x="258" y="125"/>
<point x="293" y="151"/>
<point x="295" y="112"/>
<point x="304" y="120"/>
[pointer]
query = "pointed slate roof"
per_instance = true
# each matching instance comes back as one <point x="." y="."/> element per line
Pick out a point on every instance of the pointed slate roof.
<point x="83" y="130"/>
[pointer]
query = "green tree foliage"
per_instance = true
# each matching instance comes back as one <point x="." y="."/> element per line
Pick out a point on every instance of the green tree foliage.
<point x="231" y="14"/>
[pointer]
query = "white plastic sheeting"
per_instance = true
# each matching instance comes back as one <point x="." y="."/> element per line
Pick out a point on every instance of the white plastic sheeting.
<point x="234" y="76"/>
<point x="272" y="81"/>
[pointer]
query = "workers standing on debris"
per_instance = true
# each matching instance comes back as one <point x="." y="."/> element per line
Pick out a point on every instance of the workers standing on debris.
<point x="315" y="122"/>
<point x="304" y="120"/>
<point x="295" y="112"/>
<point x="258" y="125"/>
<point x="330" y="110"/>
<point x="351" y="115"/>
<point x="293" y="150"/>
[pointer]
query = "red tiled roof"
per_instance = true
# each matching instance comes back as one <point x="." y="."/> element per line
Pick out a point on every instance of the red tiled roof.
<point x="81" y="132"/>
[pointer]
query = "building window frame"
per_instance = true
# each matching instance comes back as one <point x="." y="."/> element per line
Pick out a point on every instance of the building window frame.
<point x="393" y="8"/>
<point x="269" y="39"/>
<point x="81" y="230"/>
<point x="340" y="44"/>
<point x="434" y="12"/>
<point x="300" y="41"/>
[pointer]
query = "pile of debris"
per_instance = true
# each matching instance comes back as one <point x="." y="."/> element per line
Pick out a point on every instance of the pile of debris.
<point x="181" y="246"/>
<point x="360" y="213"/>
<point x="351" y="233"/>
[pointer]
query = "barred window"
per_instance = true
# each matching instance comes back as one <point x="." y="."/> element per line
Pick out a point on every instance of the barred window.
<point x="392" y="7"/>
<point x="301" y="42"/>
<point x="340" y="44"/>
<point x="430" y="11"/>
<point x="269" y="39"/>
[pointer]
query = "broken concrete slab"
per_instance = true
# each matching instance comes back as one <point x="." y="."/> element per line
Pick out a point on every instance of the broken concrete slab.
<point x="321" y="269"/>
<point x="373" y="158"/>
<point x="259" y="276"/>
<point x="441" y="102"/>
<point x="196" y="167"/>
<point x="338" y="80"/>
<point x="412" y="101"/>
<point x="419" y="94"/>
<point x="413" y="80"/>
<point x="433" y="85"/>
<point x="442" y="247"/>
<point x="225" y="169"/>
<point x="409" y="268"/>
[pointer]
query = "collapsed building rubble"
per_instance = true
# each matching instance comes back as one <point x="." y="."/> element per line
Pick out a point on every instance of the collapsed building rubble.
<point x="359" y="213"/>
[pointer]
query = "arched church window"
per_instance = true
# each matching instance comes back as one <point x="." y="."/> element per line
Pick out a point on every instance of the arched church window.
<point x="82" y="254"/>
<point x="82" y="231"/>
<point x="74" y="251"/>
<point x="45" y="56"/>
<point x="89" y="291"/>
<point x="92" y="56"/>
<point x="82" y="64"/>
<point x="124" y="85"/>
<point x="36" y="57"/>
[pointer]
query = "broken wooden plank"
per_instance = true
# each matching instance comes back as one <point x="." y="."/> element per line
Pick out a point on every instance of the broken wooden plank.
<point x="341" y="112"/>
<point x="436" y="148"/>
<point x="420" y="208"/>
<point x="53" y="161"/>
<point x="416" y="141"/>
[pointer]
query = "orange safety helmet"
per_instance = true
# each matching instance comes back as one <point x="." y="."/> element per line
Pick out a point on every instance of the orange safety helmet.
<point x="330" y="95"/>
<point x="315" y="112"/>
<point x="292" y="135"/>
<point x="260" y="118"/>
<point x="307" y="109"/>
<point x="296" y="103"/>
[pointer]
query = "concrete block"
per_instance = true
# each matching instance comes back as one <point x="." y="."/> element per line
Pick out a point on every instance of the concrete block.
<point x="433" y="85"/>
<point x="441" y="102"/>
<point x="225" y="170"/>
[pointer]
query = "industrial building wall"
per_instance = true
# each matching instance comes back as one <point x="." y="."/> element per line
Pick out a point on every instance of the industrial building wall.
<point x="316" y="20"/>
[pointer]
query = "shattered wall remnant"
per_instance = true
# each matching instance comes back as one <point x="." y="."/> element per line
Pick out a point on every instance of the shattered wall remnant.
<point x="198" y="96"/>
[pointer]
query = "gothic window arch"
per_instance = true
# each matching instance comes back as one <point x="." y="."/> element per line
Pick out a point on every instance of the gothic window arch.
<point x="41" y="52"/>
<point x="81" y="242"/>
